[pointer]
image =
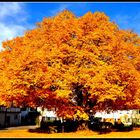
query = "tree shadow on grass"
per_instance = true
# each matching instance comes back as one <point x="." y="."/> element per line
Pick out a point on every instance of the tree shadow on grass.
<point x="104" y="132"/>
<point x="3" y="128"/>
<point x="38" y="130"/>
<point x="101" y="131"/>
<point x="49" y="130"/>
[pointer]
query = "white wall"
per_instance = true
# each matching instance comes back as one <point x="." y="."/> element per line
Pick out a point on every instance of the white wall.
<point x="47" y="113"/>
<point x="2" y="119"/>
<point x="24" y="113"/>
<point x="113" y="114"/>
<point x="14" y="121"/>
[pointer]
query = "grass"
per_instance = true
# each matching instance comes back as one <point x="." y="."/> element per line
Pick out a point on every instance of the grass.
<point x="24" y="133"/>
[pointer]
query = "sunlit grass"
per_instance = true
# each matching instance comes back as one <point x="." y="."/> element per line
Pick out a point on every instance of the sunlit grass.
<point x="79" y="134"/>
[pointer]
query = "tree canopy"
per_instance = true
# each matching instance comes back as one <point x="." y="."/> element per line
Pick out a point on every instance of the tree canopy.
<point x="76" y="64"/>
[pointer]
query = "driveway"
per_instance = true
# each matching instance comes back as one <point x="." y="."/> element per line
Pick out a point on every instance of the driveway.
<point x="22" y="127"/>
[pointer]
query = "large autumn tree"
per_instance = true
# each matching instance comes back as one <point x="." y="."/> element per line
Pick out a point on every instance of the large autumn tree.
<point x="76" y="64"/>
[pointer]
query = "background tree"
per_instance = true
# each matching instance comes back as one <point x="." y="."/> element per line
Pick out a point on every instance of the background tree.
<point x="76" y="64"/>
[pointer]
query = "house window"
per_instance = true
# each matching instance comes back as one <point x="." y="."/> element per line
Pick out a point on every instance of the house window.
<point x="48" y="118"/>
<point x="43" y="119"/>
<point x="53" y="118"/>
<point x="23" y="109"/>
<point x="16" y="117"/>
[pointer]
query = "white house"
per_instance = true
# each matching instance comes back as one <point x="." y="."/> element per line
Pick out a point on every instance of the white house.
<point x="10" y="116"/>
<point x="48" y="115"/>
<point x="28" y="116"/>
<point x="132" y="116"/>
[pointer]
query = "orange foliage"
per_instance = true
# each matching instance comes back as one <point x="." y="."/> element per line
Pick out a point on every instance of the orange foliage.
<point x="40" y="68"/>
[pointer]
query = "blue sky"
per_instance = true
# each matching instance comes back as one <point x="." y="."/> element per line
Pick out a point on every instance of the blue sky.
<point x="17" y="17"/>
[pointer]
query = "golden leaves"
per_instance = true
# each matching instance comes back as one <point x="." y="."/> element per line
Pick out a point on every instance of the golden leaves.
<point x="65" y="49"/>
<point x="81" y="115"/>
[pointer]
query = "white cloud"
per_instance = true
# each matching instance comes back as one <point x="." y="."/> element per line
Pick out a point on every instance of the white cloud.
<point x="9" y="9"/>
<point x="11" y="31"/>
<point x="13" y="20"/>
